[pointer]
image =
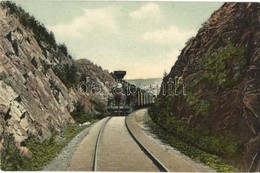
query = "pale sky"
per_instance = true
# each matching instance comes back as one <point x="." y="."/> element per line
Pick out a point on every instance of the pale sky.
<point x="143" y="38"/>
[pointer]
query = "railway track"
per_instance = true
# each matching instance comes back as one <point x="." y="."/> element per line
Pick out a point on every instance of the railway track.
<point x="121" y="144"/>
<point x="117" y="149"/>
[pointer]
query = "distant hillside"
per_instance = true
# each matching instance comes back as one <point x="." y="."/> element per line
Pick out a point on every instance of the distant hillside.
<point x="146" y="82"/>
<point x="152" y="84"/>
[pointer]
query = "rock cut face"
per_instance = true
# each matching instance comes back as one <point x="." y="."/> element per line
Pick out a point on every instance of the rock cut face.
<point x="220" y="68"/>
<point x="27" y="102"/>
<point x="34" y="99"/>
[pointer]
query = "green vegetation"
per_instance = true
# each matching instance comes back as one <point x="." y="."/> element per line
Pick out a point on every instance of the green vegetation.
<point x="212" y="161"/>
<point x="46" y="40"/>
<point x="68" y="74"/>
<point x="219" y="69"/>
<point x="43" y="152"/>
<point x="46" y="66"/>
<point x="40" y="32"/>
<point x="224" y="67"/>
<point x="79" y="114"/>
<point x="165" y="114"/>
<point x="202" y="107"/>
<point x="101" y="108"/>
<point x="63" y="49"/>
<point x="192" y="98"/>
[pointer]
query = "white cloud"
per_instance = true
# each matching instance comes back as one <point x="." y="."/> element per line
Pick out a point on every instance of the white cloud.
<point x="150" y="10"/>
<point x="172" y="56"/>
<point x="164" y="62"/>
<point x="167" y="60"/>
<point x="171" y="35"/>
<point x="103" y="19"/>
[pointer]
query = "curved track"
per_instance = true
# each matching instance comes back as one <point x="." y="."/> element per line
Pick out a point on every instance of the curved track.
<point x="159" y="164"/>
<point x="118" y="150"/>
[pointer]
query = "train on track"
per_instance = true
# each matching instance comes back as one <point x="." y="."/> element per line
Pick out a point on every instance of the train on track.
<point x="125" y="97"/>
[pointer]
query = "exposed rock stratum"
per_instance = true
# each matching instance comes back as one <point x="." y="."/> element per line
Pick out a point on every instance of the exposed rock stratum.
<point x="33" y="100"/>
<point x="220" y="68"/>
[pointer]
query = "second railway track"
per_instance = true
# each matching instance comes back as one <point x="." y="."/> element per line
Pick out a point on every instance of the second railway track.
<point x="118" y="150"/>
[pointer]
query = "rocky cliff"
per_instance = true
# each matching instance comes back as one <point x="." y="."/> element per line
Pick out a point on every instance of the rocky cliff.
<point x="219" y="70"/>
<point x="38" y="78"/>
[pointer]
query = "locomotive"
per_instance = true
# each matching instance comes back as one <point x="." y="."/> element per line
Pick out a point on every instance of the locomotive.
<point x="125" y="97"/>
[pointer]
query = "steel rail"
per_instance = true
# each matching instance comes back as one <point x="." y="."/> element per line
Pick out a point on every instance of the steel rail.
<point x="95" y="167"/>
<point x="156" y="161"/>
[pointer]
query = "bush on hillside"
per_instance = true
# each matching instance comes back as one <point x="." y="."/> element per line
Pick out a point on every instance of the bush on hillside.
<point x="29" y="21"/>
<point x="79" y="114"/>
<point x="100" y="107"/>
